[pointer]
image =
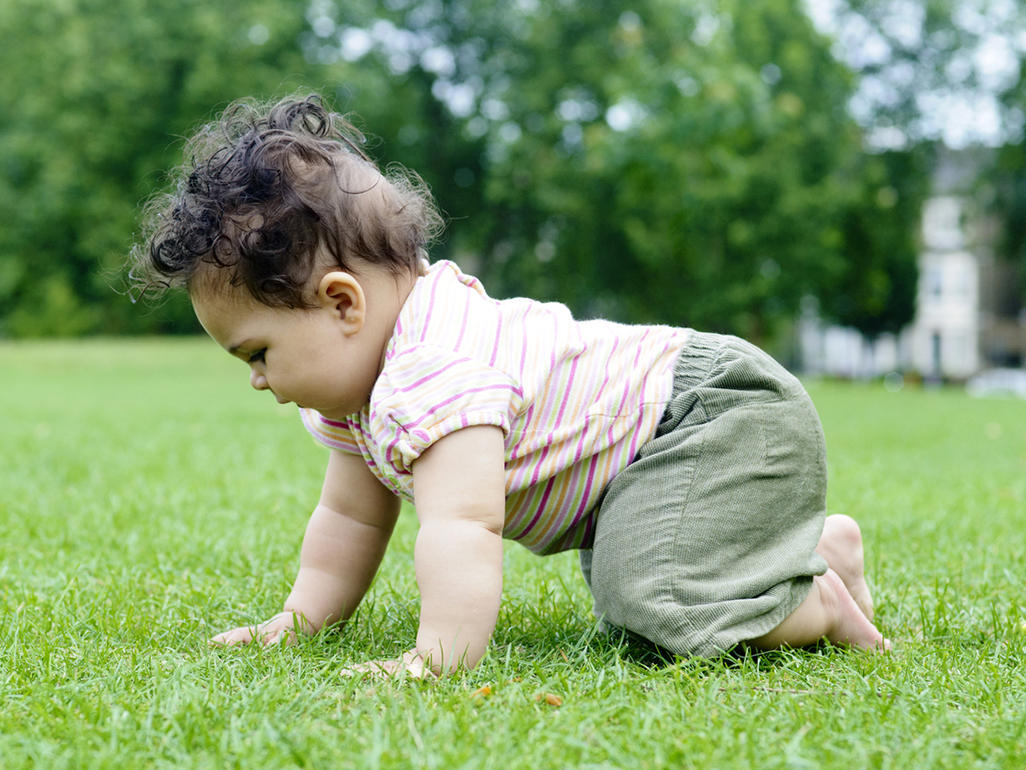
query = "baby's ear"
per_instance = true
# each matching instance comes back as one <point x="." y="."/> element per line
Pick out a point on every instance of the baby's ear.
<point x="341" y="293"/>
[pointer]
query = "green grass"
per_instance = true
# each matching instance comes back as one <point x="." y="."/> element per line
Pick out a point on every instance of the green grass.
<point x="149" y="499"/>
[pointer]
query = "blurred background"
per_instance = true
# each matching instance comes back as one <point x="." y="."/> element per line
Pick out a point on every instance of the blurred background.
<point x="841" y="181"/>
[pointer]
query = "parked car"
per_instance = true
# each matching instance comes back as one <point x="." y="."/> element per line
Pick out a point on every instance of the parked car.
<point x="998" y="382"/>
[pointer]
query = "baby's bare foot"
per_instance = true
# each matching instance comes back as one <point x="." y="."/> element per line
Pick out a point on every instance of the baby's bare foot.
<point x="841" y="546"/>
<point x="852" y="626"/>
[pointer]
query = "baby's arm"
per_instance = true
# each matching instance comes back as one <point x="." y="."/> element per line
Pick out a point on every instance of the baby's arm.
<point x="342" y="549"/>
<point x="460" y="495"/>
<point x="459" y="489"/>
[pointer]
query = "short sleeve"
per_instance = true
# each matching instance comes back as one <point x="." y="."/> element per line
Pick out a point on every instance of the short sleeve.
<point x="337" y="434"/>
<point x="427" y="392"/>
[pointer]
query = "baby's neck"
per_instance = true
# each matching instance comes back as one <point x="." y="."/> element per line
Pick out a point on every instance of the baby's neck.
<point x="386" y="294"/>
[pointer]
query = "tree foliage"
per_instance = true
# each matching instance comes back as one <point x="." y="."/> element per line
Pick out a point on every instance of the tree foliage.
<point x="97" y="91"/>
<point x="876" y="292"/>
<point x="1008" y="181"/>
<point x="951" y="71"/>
<point x="686" y="161"/>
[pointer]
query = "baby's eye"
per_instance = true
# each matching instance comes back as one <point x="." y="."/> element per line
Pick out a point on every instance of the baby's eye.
<point x="257" y="356"/>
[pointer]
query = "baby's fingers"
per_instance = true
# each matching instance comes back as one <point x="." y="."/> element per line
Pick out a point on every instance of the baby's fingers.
<point x="281" y="629"/>
<point x="410" y="663"/>
<point x="242" y="635"/>
<point x="379" y="668"/>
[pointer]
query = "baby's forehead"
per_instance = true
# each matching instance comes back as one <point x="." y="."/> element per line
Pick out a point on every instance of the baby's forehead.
<point x="218" y="285"/>
<point x="222" y="285"/>
<point x="210" y="281"/>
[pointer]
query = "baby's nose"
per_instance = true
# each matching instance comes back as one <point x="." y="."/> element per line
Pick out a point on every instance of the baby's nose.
<point x="257" y="380"/>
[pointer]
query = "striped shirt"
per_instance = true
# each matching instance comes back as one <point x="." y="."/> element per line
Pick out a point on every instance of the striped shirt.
<point x="574" y="399"/>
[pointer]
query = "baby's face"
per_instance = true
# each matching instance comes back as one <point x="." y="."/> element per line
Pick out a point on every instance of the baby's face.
<point x="315" y="358"/>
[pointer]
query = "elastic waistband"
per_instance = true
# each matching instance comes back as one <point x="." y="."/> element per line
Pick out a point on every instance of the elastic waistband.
<point x="697" y="358"/>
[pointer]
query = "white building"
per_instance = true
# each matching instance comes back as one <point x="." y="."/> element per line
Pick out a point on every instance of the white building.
<point x="968" y="303"/>
<point x="944" y="338"/>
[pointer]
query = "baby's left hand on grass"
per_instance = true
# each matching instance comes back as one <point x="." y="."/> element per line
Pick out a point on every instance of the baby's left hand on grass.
<point x="409" y="663"/>
<point x="277" y="630"/>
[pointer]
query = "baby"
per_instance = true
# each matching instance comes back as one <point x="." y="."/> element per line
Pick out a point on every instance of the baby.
<point x="687" y="468"/>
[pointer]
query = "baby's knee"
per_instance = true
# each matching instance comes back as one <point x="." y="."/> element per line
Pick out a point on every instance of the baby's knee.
<point x="624" y="599"/>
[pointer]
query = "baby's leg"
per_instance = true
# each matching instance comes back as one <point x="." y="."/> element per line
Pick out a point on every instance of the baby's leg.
<point x="839" y="607"/>
<point x="841" y="546"/>
<point x="829" y="612"/>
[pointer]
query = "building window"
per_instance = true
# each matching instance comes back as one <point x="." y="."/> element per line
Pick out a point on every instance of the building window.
<point x="935" y="353"/>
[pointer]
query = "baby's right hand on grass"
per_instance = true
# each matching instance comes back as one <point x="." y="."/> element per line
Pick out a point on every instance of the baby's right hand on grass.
<point x="277" y="630"/>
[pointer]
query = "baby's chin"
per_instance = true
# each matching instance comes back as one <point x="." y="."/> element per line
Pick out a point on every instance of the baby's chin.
<point x="337" y="413"/>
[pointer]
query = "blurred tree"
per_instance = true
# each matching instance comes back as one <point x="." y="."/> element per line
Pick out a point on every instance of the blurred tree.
<point x="930" y="70"/>
<point x="1007" y="176"/>
<point x="876" y="292"/>
<point x="951" y="71"/>
<point x="688" y="161"/>
<point x="1007" y="181"/>
<point x="95" y="91"/>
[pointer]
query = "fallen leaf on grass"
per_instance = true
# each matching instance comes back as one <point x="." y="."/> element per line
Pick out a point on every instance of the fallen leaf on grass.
<point x="482" y="692"/>
<point x="550" y="698"/>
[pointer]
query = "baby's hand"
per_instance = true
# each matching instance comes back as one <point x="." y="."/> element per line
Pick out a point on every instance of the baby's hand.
<point x="279" y="629"/>
<point x="409" y="663"/>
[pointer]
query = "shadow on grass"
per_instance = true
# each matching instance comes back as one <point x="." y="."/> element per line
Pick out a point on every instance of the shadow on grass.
<point x="591" y="644"/>
<point x="642" y="652"/>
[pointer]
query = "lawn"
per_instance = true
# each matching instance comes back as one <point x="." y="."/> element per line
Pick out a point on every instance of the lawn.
<point x="149" y="498"/>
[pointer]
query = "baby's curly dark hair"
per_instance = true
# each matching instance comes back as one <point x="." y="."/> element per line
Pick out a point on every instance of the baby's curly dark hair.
<point x="268" y="193"/>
